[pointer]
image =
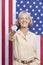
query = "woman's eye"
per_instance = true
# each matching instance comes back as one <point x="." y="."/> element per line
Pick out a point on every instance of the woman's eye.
<point x="21" y="18"/>
<point x="26" y="18"/>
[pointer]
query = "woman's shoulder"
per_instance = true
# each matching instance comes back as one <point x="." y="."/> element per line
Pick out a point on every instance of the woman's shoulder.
<point x="17" y="32"/>
<point x="32" y="34"/>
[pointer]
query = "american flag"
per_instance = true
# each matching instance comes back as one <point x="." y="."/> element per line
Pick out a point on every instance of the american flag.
<point x="9" y="10"/>
<point x="35" y="8"/>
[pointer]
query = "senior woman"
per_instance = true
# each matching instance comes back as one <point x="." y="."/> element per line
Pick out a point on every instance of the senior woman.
<point x="24" y="42"/>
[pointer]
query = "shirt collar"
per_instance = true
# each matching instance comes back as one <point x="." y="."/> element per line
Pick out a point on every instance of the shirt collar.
<point x="20" y="32"/>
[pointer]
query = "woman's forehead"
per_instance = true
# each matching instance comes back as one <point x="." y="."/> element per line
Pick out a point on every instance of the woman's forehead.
<point x="24" y="14"/>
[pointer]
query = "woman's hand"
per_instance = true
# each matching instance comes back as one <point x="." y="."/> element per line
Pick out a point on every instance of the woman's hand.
<point x="13" y="30"/>
<point x="11" y="34"/>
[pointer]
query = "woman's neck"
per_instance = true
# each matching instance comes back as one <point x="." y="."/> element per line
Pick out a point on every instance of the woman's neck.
<point x="24" y="30"/>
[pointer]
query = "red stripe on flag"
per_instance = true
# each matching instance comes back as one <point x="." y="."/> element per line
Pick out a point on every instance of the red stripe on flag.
<point x="3" y="32"/>
<point x="10" y="23"/>
<point x="41" y="45"/>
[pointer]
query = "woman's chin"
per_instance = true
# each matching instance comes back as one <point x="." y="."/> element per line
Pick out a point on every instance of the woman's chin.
<point x="24" y="26"/>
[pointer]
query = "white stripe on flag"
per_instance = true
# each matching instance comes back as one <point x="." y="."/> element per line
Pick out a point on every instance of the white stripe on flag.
<point x="0" y="32"/>
<point x="14" y="14"/>
<point x="14" y="11"/>
<point x="38" y="46"/>
<point x="6" y="32"/>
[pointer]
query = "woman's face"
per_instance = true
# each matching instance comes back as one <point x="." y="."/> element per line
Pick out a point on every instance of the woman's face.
<point x="24" y="20"/>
